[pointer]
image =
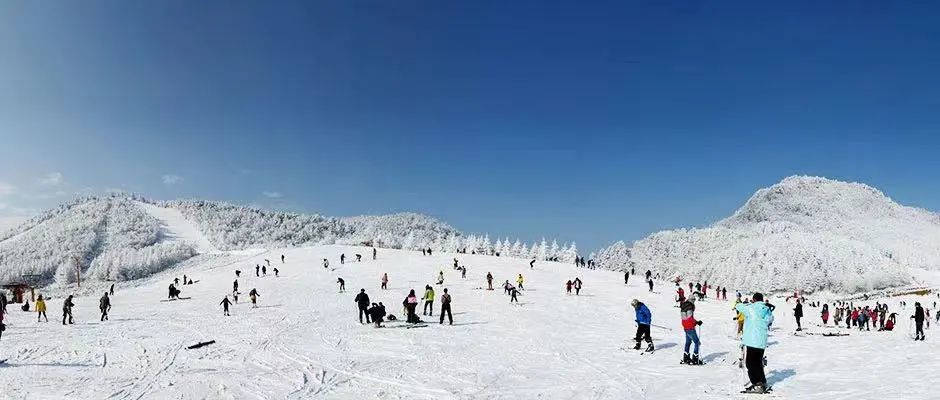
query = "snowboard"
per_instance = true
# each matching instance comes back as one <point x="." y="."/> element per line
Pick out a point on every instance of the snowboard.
<point x="178" y="298"/>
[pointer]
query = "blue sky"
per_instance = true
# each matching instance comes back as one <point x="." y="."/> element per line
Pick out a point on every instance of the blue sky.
<point x="586" y="122"/>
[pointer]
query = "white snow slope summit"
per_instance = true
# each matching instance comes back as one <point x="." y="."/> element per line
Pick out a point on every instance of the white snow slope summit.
<point x="304" y="340"/>
<point x="175" y="227"/>
<point x="804" y="233"/>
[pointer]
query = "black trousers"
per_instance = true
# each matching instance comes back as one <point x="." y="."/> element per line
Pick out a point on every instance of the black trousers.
<point x="428" y="305"/>
<point x="445" y="308"/>
<point x="798" y="326"/>
<point x="643" y="333"/>
<point x="919" y="329"/>
<point x="754" y="361"/>
<point x="361" y="312"/>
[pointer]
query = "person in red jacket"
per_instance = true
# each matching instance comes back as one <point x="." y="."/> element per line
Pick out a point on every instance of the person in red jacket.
<point x="680" y="293"/>
<point x="689" y="324"/>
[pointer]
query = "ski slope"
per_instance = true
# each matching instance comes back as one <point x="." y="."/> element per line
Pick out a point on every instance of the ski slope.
<point x="305" y="342"/>
<point x="175" y="227"/>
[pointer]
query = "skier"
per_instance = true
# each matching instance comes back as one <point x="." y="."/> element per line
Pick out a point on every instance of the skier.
<point x="257" y="270"/>
<point x="724" y="293"/>
<point x="825" y="314"/>
<point x="798" y="313"/>
<point x="282" y="259"/>
<point x="687" y="312"/>
<point x="445" y="307"/>
<point x="276" y="273"/>
<point x="235" y="286"/>
<point x="489" y="281"/>
<point x="377" y="313"/>
<point x="67" y="310"/>
<point x="680" y="294"/>
<point x="342" y="285"/>
<point x="577" y="286"/>
<point x="266" y="261"/>
<point x="375" y="254"/>
<point x="264" y="270"/>
<point x="173" y="292"/>
<point x="568" y="286"/>
<point x="342" y="258"/>
<point x="362" y="300"/>
<point x="650" y="282"/>
<point x="757" y="319"/>
<point x="326" y="263"/>
<point x="519" y="281"/>
<point x="104" y="305"/>
<point x="626" y="277"/>
<point x="254" y="295"/>
<point x="424" y="252"/>
<point x="463" y="272"/>
<point x="358" y="257"/>
<point x="918" y="318"/>
<point x="112" y="289"/>
<point x="238" y="273"/>
<point x="41" y="309"/>
<point x="512" y="294"/>
<point x="644" y="318"/>
<point x="176" y="281"/>
<point x="225" y="303"/>
<point x="185" y="279"/>
<point x="429" y="251"/>
<point x="649" y="274"/>
<point x="411" y="304"/>
<point x="428" y="300"/>
<point x="532" y="264"/>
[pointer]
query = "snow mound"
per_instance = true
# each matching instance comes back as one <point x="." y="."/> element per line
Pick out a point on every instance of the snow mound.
<point x="807" y="233"/>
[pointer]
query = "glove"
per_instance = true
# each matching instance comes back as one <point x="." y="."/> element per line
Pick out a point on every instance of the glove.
<point x="699" y="323"/>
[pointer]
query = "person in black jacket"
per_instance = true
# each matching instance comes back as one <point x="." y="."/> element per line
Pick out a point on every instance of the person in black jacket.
<point x="225" y="303"/>
<point x="445" y="307"/>
<point x="918" y="321"/>
<point x="105" y="305"/>
<point x="342" y="285"/>
<point x="798" y="313"/>
<point x="362" y="300"/>
<point x="67" y="310"/>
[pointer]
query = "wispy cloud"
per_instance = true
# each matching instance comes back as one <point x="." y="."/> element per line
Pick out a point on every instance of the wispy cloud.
<point x="6" y="189"/>
<point x="171" y="179"/>
<point x="52" y="179"/>
<point x="273" y="195"/>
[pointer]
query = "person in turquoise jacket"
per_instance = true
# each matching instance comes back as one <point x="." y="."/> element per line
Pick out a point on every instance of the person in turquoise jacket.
<point x="757" y="319"/>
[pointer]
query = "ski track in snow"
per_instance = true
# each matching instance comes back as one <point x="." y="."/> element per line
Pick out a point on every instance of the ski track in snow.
<point x="177" y="228"/>
<point x="305" y="341"/>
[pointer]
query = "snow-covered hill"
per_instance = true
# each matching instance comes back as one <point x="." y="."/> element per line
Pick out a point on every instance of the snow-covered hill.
<point x="805" y="233"/>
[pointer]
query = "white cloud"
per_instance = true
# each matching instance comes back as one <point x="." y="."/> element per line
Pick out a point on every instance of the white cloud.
<point x="273" y="195"/>
<point x="52" y="179"/>
<point x="171" y="179"/>
<point x="6" y="189"/>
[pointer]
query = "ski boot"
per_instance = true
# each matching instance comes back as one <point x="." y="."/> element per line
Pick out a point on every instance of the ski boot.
<point x="686" y="359"/>
<point x="649" y="349"/>
<point x="637" y="347"/>
<point x="756" y="389"/>
<point x="696" y="360"/>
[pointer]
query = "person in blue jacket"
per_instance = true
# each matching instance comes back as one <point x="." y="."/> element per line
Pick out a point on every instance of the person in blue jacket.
<point x="643" y="320"/>
<point x="757" y="319"/>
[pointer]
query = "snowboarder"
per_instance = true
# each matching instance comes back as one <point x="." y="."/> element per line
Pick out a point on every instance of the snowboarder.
<point x="918" y="318"/>
<point x="519" y="281"/>
<point x="342" y="285"/>
<point x="757" y="319"/>
<point x="104" y="305"/>
<point x="798" y="313"/>
<point x="489" y="281"/>
<point x="67" y="310"/>
<point x="41" y="309"/>
<point x="225" y="303"/>
<point x="342" y="259"/>
<point x="362" y="300"/>
<point x="254" y="295"/>
<point x="445" y="307"/>
<point x="174" y="292"/>
<point x="687" y="312"/>
<point x="577" y="286"/>
<point x="375" y="254"/>
<point x="358" y="257"/>
<point x="277" y="273"/>
<point x="643" y="320"/>
<point x="385" y="281"/>
<point x="176" y="281"/>
<point x="326" y="263"/>
<point x="428" y="300"/>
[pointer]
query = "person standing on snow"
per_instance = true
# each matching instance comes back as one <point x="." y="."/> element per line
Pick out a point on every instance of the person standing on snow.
<point x="282" y="259"/>
<point x="326" y="263"/>
<point x="362" y="301"/>
<point x="825" y="314"/>
<point x="650" y="282"/>
<point x="385" y="281"/>
<point x="626" y="277"/>
<point x="687" y="312"/>
<point x="428" y="300"/>
<point x="489" y="281"/>
<point x="463" y="272"/>
<point x="104" y="305"/>
<point x="519" y="281"/>
<point x="41" y="309"/>
<point x="532" y="264"/>
<point x="276" y="273"/>
<point x="680" y="294"/>
<point x="225" y="303"/>
<point x="512" y="294"/>
<point x="67" y="310"/>
<point x="798" y="313"/>
<point x="411" y="306"/>
<point x="568" y="286"/>
<point x="264" y="270"/>
<point x="445" y="307"/>
<point x="235" y="286"/>
<point x="257" y="270"/>
<point x="342" y="285"/>
<point x="358" y="257"/>
<point x="254" y="295"/>
<point x="342" y="258"/>
<point x="644" y="318"/>
<point x="757" y="319"/>
<point x="375" y="254"/>
<point x="577" y="286"/>
<point x="918" y="318"/>
<point x="112" y="289"/>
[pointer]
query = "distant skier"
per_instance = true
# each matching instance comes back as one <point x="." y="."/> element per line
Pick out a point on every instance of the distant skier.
<point x="568" y="286"/>
<point x="362" y="301"/>
<point x="428" y="300"/>
<point x="257" y="270"/>
<point x="532" y="264"/>
<point x="268" y="262"/>
<point x="506" y="287"/>
<point x="649" y="274"/>
<point x="104" y="304"/>
<point x="724" y="293"/>
<point x="577" y="286"/>
<point x="375" y="254"/>
<point x="176" y="281"/>
<point x="342" y="285"/>
<point x="519" y="282"/>
<point x="41" y="309"/>
<point x="342" y="258"/>
<point x="918" y="318"/>
<point x="489" y="281"/>
<point x="174" y="292"/>
<point x="463" y="272"/>
<point x="424" y="252"/>
<point x="440" y="278"/>
<point x="512" y="294"/>
<point x="430" y="251"/>
<point x="254" y="295"/>
<point x="326" y="263"/>
<point x="282" y="259"/>
<point x="235" y="286"/>
<point x="385" y="281"/>
<point x="112" y="289"/>
<point x="456" y="266"/>
<point x="626" y="277"/>
<point x="644" y="318"/>
<point x="225" y="303"/>
<point x="67" y="310"/>
<point x="680" y="294"/>
<point x="377" y="313"/>
<point x="185" y="279"/>
<point x="277" y="273"/>
<point x="411" y="305"/>
<point x="238" y="273"/>
<point x="797" y="314"/>
<point x="650" y="283"/>
<point x="445" y="307"/>
<point x="264" y="270"/>
<point x="757" y="319"/>
<point x="358" y="257"/>
<point x="687" y="312"/>
<point x="825" y="314"/>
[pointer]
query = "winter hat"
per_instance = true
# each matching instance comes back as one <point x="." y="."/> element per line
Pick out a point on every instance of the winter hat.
<point x="635" y="302"/>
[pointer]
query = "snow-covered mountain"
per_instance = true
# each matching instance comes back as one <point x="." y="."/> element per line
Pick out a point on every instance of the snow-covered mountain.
<point x="124" y="238"/>
<point x="806" y="233"/>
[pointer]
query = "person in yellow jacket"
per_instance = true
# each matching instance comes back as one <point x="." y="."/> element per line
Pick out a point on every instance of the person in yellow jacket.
<point x="519" y="281"/>
<point x="428" y="300"/>
<point x="41" y="309"/>
<point x="740" y="320"/>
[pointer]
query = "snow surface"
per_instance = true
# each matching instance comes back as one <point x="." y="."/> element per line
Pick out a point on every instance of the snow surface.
<point x="304" y="341"/>
<point x="175" y="227"/>
<point x="806" y="233"/>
